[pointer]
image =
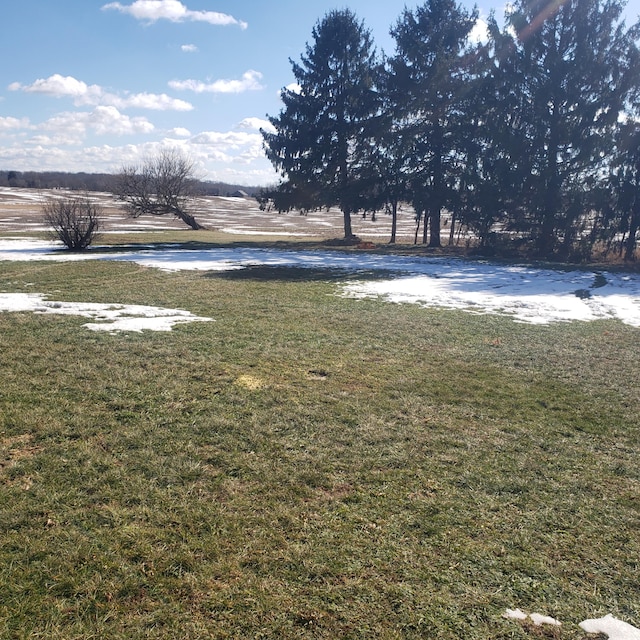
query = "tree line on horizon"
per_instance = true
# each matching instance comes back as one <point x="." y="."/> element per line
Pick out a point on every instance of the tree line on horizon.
<point x="531" y="137"/>
<point x="107" y="182"/>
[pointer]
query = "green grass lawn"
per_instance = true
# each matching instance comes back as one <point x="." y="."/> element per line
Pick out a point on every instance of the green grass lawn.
<point x="309" y="466"/>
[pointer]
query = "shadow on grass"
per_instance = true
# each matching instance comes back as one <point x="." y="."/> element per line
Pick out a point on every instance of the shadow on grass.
<point x="284" y="273"/>
<point x="207" y="245"/>
<point x="284" y="245"/>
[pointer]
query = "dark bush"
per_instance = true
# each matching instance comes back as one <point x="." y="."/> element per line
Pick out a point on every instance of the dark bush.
<point x="75" y="220"/>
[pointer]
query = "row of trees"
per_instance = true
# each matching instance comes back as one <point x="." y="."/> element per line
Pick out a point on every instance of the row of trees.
<point x="531" y="136"/>
<point x="110" y="182"/>
<point x="57" y="180"/>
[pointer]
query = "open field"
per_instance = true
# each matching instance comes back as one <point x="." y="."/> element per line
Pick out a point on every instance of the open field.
<point x="307" y="465"/>
<point x="20" y="211"/>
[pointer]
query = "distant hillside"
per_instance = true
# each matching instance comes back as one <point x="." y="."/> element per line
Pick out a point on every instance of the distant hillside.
<point x="99" y="182"/>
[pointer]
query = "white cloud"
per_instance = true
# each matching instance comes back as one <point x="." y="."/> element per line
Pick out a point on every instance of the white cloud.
<point x="228" y="139"/>
<point x="59" y="86"/>
<point x="250" y="81"/>
<point x="65" y="142"/>
<point x="62" y="129"/>
<point x="180" y="132"/>
<point x="294" y="87"/>
<point x="107" y="120"/>
<point x="174" y="11"/>
<point x="71" y="127"/>
<point x="255" y="124"/>
<point x="11" y="124"/>
<point x="480" y="32"/>
<point x="189" y="48"/>
<point x="228" y="147"/>
<point x="158" y="102"/>
<point x="188" y="85"/>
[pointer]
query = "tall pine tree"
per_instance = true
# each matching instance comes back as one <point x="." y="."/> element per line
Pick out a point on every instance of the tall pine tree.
<point x="429" y="90"/>
<point x="625" y="183"/>
<point x="569" y="69"/>
<point x="326" y="133"/>
<point x="489" y="180"/>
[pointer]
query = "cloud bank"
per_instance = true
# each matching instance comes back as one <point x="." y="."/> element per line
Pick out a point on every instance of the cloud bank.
<point x="59" y="86"/>
<point x="153" y="10"/>
<point x="250" y="81"/>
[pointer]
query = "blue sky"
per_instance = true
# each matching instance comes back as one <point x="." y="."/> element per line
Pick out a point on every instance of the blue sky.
<point x="92" y="85"/>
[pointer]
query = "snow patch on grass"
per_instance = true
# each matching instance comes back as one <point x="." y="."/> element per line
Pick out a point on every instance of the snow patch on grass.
<point x="537" y="618"/>
<point x="613" y="628"/>
<point x="106" y="317"/>
<point x="524" y="293"/>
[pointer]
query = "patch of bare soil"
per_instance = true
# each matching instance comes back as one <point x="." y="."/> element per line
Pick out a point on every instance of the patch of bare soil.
<point x="14" y="449"/>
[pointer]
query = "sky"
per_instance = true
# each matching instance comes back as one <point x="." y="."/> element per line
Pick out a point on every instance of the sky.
<point x="94" y="85"/>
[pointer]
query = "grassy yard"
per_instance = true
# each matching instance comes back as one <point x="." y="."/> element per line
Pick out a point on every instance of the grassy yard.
<point x="309" y="466"/>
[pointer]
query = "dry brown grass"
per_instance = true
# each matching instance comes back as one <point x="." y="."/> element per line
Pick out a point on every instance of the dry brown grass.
<point x="237" y="217"/>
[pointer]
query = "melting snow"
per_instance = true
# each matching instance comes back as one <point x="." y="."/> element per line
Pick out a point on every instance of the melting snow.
<point x="527" y="294"/>
<point x="114" y="317"/>
<point x="613" y="628"/>
<point x="537" y="618"/>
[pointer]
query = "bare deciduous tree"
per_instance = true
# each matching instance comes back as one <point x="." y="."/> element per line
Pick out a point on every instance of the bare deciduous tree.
<point x="75" y="220"/>
<point x="162" y="185"/>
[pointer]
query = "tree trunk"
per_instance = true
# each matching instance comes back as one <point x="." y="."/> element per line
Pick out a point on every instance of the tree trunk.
<point x="452" y="229"/>
<point x="552" y="187"/>
<point x="434" y="227"/>
<point x="425" y="227"/>
<point x="630" y="243"/>
<point x="437" y="195"/>
<point x="394" y="221"/>
<point x="189" y="220"/>
<point x="348" y="233"/>
<point x="546" y="241"/>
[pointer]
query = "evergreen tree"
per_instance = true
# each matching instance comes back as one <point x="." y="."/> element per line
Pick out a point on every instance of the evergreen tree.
<point x="428" y="88"/>
<point x="325" y="136"/>
<point x="570" y="68"/>
<point x="489" y="170"/>
<point x="625" y="180"/>
<point x="392" y="160"/>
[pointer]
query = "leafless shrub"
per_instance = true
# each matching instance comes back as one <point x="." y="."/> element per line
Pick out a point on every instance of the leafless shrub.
<point x="75" y="221"/>
<point x="163" y="184"/>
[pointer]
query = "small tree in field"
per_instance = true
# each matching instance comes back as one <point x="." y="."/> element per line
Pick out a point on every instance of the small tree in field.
<point x="163" y="184"/>
<point x="75" y="220"/>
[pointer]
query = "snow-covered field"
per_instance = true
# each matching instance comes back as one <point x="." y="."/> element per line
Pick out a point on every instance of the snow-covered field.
<point x="524" y="293"/>
<point x="20" y="211"/>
